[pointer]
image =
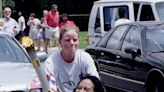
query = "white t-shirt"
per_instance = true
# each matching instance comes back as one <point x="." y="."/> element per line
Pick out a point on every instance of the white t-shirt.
<point x="21" y="20"/>
<point x="9" y="25"/>
<point x="121" y="21"/>
<point x="34" y="22"/>
<point x="68" y="75"/>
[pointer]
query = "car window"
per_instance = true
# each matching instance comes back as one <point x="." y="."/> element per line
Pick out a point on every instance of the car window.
<point x="154" y="40"/>
<point x="148" y="15"/>
<point x="103" y="41"/>
<point x="111" y="15"/>
<point x="116" y="36"/>
<point x="132" y="38"/>
<point x="160" y="9"/>
<point x="97" y="23"/>
<point x="10" y="51"/>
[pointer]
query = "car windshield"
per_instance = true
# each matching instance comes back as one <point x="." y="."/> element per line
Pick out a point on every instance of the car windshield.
<point x="11" y="52"/>
<point x="154" y="40"/>
<point x="160" y="9"/>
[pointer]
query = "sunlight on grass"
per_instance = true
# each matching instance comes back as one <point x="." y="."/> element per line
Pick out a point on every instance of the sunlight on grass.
<point x="83" y="39"/>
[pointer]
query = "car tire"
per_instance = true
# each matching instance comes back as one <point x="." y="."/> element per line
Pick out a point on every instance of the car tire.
<point x="155" y="85"/>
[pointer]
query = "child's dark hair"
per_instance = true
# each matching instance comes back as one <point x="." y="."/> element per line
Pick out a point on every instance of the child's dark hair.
<point x="98" y="86"/>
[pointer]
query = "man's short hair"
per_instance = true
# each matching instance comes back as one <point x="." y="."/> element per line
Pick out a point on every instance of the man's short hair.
<point x="121" y="12"/>
<point x="54" y="6"/>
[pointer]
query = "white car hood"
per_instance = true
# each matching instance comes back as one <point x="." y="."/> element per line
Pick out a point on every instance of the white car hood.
<point x="16" y="76"/>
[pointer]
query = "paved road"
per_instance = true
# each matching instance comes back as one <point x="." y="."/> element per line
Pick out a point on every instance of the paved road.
<point x="51" y="50"/>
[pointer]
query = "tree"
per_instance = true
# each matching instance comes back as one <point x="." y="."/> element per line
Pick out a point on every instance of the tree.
<point x="9" y="3"/>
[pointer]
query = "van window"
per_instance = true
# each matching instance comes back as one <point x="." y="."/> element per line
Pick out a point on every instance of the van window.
<point x="160" y="9"/>
<point x="146" y="13"/>
<point x="110" y="15"/>
<point x="97" y="23"/>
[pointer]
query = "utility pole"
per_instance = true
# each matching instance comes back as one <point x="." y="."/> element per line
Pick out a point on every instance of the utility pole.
<point x="0" y="8"/>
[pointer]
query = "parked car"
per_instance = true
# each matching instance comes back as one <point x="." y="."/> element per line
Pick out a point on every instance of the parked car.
<point x="16" y="69"/>
<point x="104" y="13"/>
<point x="131" y="57"/>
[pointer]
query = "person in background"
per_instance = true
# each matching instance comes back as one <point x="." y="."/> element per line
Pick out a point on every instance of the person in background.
<point x="44" y="28"/>
<point x="33" y="22"/>
<point x="90" y="84"/>
<point x="10" y="25"/>
<point x="68" y="64"/>
<point x="66" y="21"/>
<point x="52" y="23"/>
<point x="22" y="26"/>
<point x="122" y="19"/>
<point x="1" y="23"/>
<point x="40" y="38"/>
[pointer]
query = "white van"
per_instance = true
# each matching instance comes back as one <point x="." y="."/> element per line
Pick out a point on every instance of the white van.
<point x="104" y="13"/>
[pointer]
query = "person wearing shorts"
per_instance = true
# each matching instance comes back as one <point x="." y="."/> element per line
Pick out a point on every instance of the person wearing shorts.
<point x="32" y="23"/>
<point x="52" y="29"/>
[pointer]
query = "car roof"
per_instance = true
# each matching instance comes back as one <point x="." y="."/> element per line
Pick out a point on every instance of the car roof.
<point x="115" y="1"/>
<point x="148" y="24"/>
<point x="4" y="33"/>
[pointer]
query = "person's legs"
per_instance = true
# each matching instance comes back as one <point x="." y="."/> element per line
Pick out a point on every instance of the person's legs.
<point x="46" y="44"/>
<point x="56" y="34"/>
<point x="47" y="39"/>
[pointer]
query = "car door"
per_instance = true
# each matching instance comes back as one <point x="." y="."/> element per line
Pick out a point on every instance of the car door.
<point x="132" y="70"/>
<point x="106" y="54"/>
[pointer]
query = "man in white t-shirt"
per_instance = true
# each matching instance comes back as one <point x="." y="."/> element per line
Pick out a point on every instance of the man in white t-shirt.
<point x="10" y="25"/>
<point x="122" y="18"/>
<point x="22" y="26"/>
<point x="21" y="22"/>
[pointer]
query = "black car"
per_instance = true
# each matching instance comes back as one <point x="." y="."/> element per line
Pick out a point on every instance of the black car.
<point x="130" y="57"/>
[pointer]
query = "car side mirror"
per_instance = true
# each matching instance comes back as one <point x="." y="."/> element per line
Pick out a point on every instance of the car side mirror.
<point x="134" y="51"/>
<point x="41" y="55"/>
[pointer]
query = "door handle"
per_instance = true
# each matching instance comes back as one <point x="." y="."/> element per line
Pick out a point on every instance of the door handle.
<point x="102" y="53"/>
<point x="117" y="57"/>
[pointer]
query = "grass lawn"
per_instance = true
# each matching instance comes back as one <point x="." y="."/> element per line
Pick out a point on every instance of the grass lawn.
<point x="83" y="40"/>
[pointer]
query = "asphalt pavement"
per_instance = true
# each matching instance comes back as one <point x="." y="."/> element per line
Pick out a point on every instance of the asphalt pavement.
<point x="51" y="50"/>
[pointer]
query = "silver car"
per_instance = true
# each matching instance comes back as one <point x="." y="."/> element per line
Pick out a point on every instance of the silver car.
<point x="16" y="69"/>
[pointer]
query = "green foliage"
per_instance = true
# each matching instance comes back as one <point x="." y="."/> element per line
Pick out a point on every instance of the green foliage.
<point x="43" y="4"/>
<point x="46" y="4"/>
<point x="83" y="39"/>
<point x="9" y="3"/>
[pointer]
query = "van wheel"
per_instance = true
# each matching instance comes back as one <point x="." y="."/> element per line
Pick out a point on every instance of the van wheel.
<point x="156" y="85"/>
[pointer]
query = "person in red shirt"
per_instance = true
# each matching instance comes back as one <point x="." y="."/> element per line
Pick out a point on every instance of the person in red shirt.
<point x="52" y="24"/>
<point x="66" y="21"/>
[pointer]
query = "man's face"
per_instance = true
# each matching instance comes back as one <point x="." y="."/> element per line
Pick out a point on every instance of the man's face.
<point x="65" y="18"/>
<point x="55" y="9"/>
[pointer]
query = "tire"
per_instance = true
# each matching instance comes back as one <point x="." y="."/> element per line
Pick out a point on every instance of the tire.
<point x="155" y="85"/>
